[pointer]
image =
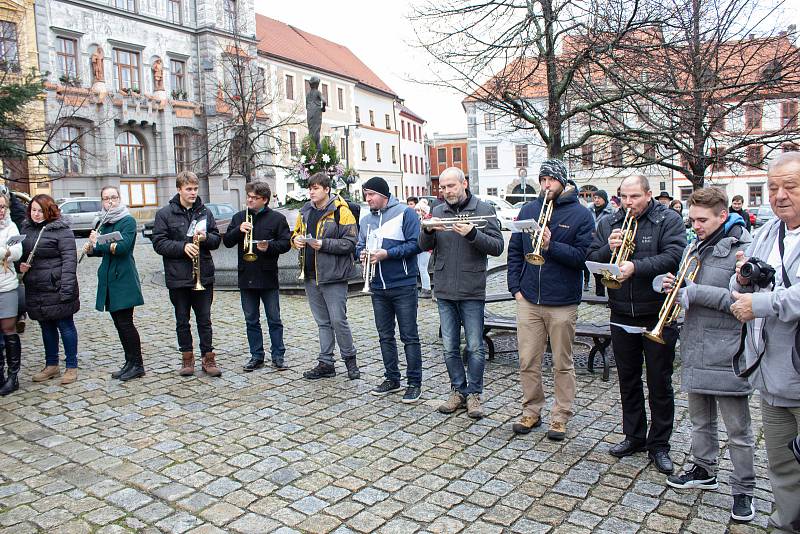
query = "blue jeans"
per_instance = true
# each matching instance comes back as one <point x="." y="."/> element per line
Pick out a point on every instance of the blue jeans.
<point x="251" y="306"/>
<point x="69" y="336"/>
<point x="453" y="314"/>
<point x="400" y="303"/>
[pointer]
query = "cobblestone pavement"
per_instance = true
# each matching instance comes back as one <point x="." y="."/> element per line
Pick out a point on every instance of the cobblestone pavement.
<point x="269" y="451"/>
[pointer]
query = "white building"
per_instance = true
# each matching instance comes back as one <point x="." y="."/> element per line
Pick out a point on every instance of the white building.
<point x="414" y="153"/>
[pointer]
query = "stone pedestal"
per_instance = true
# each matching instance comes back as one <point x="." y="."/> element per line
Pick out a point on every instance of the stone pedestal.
<point x="100" y="89"/>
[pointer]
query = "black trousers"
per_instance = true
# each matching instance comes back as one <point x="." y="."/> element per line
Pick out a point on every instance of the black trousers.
<point x="631" y="351"/>
<point x="185" y="300"/>
<point x="128" y="335"/>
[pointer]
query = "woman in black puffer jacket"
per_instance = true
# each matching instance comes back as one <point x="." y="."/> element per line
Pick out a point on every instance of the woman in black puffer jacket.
<point x="51" y="284"/>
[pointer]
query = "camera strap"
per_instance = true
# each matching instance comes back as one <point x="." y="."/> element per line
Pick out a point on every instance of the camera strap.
<point x="781" y="235"/>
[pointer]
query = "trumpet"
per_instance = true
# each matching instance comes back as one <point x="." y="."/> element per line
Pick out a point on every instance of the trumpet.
<point x="625" y="250"/>
<point x="480" y="221"/>
<point x="367" y="268"/>
<point x="535" y="257"/>
<point x="301" y="254"/>
<point x="249" y="254"/>
<point x="670" y="310"/>
<point x="198" y="286"/>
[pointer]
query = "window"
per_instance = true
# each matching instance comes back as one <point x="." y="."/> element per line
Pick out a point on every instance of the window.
<point x="371" y="118"/>
<point x="489" y="121"/>
<point x="457" y="155"/>
<point x="182" y="157"/>
<point x="289" y="87"/>
<point x="174" y="11"/>
<point x="491" y="191"/>
<point x="378" y="152"/>
<point x="649" y="151"/>
<point x="177" y="76"/>
<point x="325" y="93"/>
<point x="9" y="57"/>
<point x="716" y="118"/>
<point x="752" y="116"/>
<point x="126" y="67"/>
<point x="403" y="129"/>
<point x="686" y="192"/>
<point x="139" y="194"/>
<point x="394" y="154"/>
<point x="70" y="149"/>
<point x="441" y="156"/>
<point x="521" y="153"/>
<point x="127" y="5"/>
<point x="717" y="161"/>
<point x="416" y="164"/>
<point x="363" y="151"/>
<point x="340" y="97"/>
<point x="789" y="115"/>
<point x="405" y="163"/>
<point x="490" y="153"/>
<point x="616" y="154"/>
<point x="358" y="116"/>
<point x="388" y="122"/>
<point x="130" y="154"/>
<point x="342" y="149"/>
<point x="229" y="14"/>
<point x="293" y="144"/>
<point x="289" y="187"/>
<point x="587" y="155"/>
<point x="755" y="194"/>
<point x="66" y="56"/>
<point x="754" y="155"/>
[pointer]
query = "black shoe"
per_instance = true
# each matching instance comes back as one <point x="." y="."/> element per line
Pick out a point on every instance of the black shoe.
<point x="662" y="461"/>
<point x="252" y="365"/>
<point x="124" y="369"/>
<point x="626" y="448"/>
<point x="352" y="368"/>
<point x="743" y="508"/>
<point x="135" y="371"/>
<point x="10" y="385"/>
<point x="696" y="477"/>
<point x="386" y="387"/>
<point x="586" y="286"/>
<point x="412" y="394"/>
<point x="322" y="370"/>
<point x="280" y="366"/>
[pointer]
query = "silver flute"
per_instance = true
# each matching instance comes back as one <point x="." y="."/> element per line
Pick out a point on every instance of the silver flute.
<point x="96" y="228"/>
<point x="29" y="259"/>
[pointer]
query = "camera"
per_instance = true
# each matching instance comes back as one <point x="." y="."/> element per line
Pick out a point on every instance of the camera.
<point x="758" y="272"/>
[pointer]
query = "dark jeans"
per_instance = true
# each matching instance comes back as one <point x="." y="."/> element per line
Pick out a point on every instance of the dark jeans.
<point x="128" y="335"/>
<point x="185" y="300"/>
<point x="453" y="314"/>
<point x="69" y="336"/>
<point x="399" y="303"/>
<point x="251" y="306"/>
<point x="631" y="351"/>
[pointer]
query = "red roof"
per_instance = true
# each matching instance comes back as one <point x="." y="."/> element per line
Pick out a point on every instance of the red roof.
<point x="282" y="41"/>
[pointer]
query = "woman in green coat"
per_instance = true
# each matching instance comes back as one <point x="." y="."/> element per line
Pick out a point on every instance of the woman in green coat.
<point x="118" y="286"/>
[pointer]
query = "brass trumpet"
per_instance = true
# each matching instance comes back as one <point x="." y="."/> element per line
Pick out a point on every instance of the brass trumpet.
<point x="198" y="286"/>
<point x="301" y="254"/>
<point x="625" y="250"/>
<point x="670" y="310"/>
<point x="535" y="257"/>
<point x="480" y="221"/>
<point x="367" y="268"/>
<point x="249" y="254"/>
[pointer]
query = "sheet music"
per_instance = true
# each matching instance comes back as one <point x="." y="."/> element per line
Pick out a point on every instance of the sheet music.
<point x="602" y="268"/>
<point x="527" y="226"/>
<point x="15" y="239"/>
<point x="630" y="329"/>
<point x="105" y="239"/>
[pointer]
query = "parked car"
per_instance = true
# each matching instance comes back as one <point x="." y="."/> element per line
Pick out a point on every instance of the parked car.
<point x="505" y="211"/>
<point x="764" y="214"/>
<point x="82" y="213"/>
<point x="222" y="215"/>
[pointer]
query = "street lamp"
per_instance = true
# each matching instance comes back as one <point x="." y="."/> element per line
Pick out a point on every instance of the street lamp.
<point x="346" y="128"/>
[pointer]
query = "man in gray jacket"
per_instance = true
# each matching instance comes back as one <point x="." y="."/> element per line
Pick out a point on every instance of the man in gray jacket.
<point x="772" y="315"/>
<point x="709" y="336"/>
<point x="459" y="277"/>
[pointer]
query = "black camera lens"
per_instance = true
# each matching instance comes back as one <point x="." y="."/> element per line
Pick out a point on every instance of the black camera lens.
<point x="747" y="269"/>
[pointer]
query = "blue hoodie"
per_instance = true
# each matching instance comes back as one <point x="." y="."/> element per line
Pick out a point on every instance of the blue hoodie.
<point x="558" y="281"/>
<point x="398" y="226"/>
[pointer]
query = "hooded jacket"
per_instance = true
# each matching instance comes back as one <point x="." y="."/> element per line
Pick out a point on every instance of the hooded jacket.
<point x="558" y="281"/>
<point x="170" y="229"/>
<point x="268" y="225"/>
<point x="8" y="279"/>
<point x="397" y="226"/>
<point x="334" y="261"/>
<point x="660" y="241"/>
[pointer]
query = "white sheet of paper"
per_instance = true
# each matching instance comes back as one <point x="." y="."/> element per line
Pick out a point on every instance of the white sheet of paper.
<point x="527" y="225"/>
<point x="202" y="225"/>
<point x="374" y="241"/>
<point x="113" y="237"/>
<point x="598" y="268"/>
<point x="630" y="329"/>
<point x="15" y="239"/>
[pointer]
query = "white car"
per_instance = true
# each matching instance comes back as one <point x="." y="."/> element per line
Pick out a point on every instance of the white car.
<point x="505" y="211"/>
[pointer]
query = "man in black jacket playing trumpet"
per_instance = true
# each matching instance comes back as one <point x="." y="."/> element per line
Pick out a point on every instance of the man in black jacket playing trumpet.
<point x="660" y="241"/>
<point x="258" y="278"/>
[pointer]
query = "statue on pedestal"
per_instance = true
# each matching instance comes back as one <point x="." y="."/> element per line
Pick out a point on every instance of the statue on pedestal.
<point x="97" y="65"/>
<point x="315" y="107"/>
<point x="158" y="75"/>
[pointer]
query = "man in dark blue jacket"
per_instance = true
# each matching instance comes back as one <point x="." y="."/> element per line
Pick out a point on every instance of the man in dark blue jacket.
<point x="389" y="235"/>
<point x="548" y="296"/>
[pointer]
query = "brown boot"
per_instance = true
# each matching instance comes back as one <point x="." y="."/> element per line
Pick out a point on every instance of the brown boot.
<point x="210" y="364"/>
<point x="70" y="376"/>
<point x="187" y="367"/>
<point x="455" y="402"/>
<point x="50" y="371"/>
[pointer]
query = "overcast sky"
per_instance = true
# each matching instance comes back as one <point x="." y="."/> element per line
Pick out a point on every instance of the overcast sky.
<point x="381" y="36"/>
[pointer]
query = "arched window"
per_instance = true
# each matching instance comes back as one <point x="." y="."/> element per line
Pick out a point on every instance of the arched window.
<point x="130" y="154"/>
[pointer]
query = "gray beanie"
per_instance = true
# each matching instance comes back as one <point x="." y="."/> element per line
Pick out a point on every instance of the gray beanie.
<point x="554" y="168"/>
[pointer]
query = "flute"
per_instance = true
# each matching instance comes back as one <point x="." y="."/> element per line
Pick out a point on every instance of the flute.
<point x="86" y="246"/>
<point x="29" y="260"/>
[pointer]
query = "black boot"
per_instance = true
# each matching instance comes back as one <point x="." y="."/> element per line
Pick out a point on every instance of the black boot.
<point x="14" y="357"/>
<point x="124" y="369"/>
<point x="135" y="370"/>
<point x="3" y="366"/>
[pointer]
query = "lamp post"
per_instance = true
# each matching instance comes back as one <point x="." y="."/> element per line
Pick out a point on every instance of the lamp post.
<point x="346" y="128"/>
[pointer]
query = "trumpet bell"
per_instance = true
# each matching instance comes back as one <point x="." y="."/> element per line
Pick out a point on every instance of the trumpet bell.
<point x="655" y="336"/>
<point x="198" y="286"/>
<point x="249" y="256"/>
<point x="534" y="259"/>
<point x="611" y="283"/>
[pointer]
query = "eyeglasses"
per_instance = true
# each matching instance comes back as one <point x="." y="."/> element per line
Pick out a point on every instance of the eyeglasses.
<point x="106" y="199"/>
<point x="254" y="197"/>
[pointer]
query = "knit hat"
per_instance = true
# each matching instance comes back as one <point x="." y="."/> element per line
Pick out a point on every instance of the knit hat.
<point x="602" y="194"/>
<point x="554" y="168"/>
<point x="377" y="184"/>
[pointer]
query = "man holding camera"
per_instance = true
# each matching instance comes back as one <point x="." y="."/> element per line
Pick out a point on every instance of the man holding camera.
<point x="766" y="291"/>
